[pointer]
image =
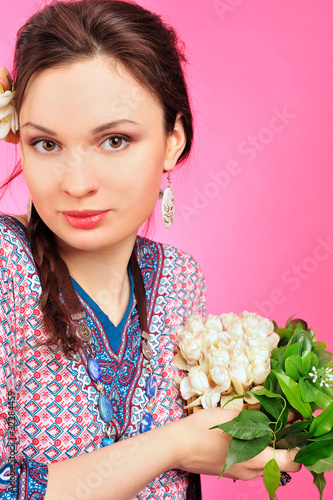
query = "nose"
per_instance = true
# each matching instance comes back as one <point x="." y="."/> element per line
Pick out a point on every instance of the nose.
<point x="78" y="175"/>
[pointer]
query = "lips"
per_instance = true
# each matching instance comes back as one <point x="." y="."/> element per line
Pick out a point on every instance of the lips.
<point x="85" y="219"/>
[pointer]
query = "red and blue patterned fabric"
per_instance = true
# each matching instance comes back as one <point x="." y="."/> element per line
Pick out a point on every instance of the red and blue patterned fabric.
<point x="56" y="416"/>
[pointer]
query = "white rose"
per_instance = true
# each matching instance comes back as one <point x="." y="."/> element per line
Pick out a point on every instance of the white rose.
<point x="273" y="339"/>
<point x="260" y="370"/>
<point x="209" y="338"/>
<point x="266" y="326"/>
<point x="213" y="323"/>
<point x="261" y="351"/>
<point x="228" y="319"/>
<point x="195" y="325"/>
<point x="198" y="380"/>
<point x="186" y="389"/>
<point x="241" y="373"/>
<point x="252" y="334"/>
<point x="182" y="333"/>
<point x="190" y="349"/>
<point x="250" y="323"/>
<point x="235" y="329"/>
<point x="220" y="375"/>
<point x="211" y="398"/>
<point x="180" y="362"/>
<point x="239" y="349"/>
<point x="239" y="357"/>
<point x="219" y="357"/>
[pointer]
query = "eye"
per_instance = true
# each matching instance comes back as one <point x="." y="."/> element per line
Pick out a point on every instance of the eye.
<point x="46" y="146"/>
<point x="115" y="142"/>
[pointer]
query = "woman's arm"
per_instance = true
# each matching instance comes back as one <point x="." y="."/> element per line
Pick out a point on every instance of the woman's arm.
<point x="122" y="470"/>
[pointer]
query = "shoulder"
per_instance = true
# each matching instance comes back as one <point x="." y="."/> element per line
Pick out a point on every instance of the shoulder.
<point x="172" y="257"/>
<point x="180" y="276"/>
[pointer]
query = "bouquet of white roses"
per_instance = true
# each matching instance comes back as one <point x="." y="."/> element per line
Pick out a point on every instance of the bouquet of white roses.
<point x="240" y="360"/>
<point x="224" y="356"/>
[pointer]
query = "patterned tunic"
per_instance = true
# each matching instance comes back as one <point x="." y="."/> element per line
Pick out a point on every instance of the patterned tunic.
<point x="56" y="416"/>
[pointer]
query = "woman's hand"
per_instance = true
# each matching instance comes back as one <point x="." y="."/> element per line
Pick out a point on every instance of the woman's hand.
<point x="204" y="451"/>
<point x="255" y="466"/>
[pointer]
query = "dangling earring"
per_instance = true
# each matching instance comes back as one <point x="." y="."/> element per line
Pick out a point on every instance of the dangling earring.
<point x="168" y="204"/>
<point x="29" y="209"/>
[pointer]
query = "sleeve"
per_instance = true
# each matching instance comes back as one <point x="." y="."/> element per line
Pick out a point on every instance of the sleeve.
<point x="19" y="478"/>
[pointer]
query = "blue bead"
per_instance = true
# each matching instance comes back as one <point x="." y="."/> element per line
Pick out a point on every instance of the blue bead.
<point x="105" y="409"/>
<point x="146" y="422"/>
<point x="107" y="441"/>
<point x="94" y="369"/>
<point x="151" y="386"/>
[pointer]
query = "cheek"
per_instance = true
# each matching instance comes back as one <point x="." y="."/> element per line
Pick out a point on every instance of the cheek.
<point x="42" y="186"/>
<point x="142" y="189"/>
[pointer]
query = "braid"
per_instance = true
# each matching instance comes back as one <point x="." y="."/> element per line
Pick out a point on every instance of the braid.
<point x="55" y="315"/>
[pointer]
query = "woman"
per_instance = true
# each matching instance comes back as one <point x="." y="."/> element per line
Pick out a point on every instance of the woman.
<point x="103" y="111"/>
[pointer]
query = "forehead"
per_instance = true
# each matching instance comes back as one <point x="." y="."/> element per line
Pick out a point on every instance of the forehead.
<point x="86" y="93"/>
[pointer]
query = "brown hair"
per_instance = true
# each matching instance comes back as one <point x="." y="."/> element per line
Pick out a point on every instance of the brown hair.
<point x="146" y="47"/>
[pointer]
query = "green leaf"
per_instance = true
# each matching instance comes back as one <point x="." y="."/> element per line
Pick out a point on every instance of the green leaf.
<point x="294" y="441"/>
<point x="285" y="335"/>
<point x="293" y="394"/>
<point x="271" y="477"/>
<point x="309" y="360"/>
<point x="299" y="327"/>
<point x="324" y="357"/>
<point x="272" y="403"/>
<point x="323" y="465"/>
<point x="325" y="437"/>
<point x="309" y="392"/>
<point x="293" y="429"/>
<point x="274" y="363"/>
<point x="241" y="450"/>
<point x="320" y="346"/>
<point x="319" y="481"/>
<point x="249" y="424"/>
<point x="304" y="339"/>
<point x="272" y="384"/>
<point x="293" y="367"/>
<point x="276" y="353"/>
<point x="292" y="350"/>
<point x="314" y="452"/>
<point x="324" y="397"/>
<point x="323" y="423"/>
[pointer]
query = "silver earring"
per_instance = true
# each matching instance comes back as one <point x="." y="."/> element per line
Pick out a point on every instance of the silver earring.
<point x="168" y="204"/>
<point x="29" y="208"/>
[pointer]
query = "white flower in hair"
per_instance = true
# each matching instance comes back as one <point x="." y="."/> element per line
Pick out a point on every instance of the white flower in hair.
<point x="8" y="114"/>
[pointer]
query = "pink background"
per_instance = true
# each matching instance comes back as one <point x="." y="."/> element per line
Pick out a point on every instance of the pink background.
<point x="254" y="203"/>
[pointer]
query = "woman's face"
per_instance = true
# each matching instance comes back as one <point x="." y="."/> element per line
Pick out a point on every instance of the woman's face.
<point x="93" y="140"/>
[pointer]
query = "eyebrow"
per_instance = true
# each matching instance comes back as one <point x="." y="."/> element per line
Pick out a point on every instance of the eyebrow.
<point x="94" y="131"/>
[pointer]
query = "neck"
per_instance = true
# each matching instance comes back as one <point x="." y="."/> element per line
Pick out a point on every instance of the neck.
<point x="103" y="275"/>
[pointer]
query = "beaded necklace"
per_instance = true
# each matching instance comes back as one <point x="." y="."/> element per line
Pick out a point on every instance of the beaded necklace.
<point x="83" y="332"/>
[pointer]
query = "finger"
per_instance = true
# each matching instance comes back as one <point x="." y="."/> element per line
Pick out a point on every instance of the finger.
<point x="285" y="461"/>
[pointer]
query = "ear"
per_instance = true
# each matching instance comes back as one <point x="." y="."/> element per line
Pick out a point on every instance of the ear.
<point x="176" y="142"/>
